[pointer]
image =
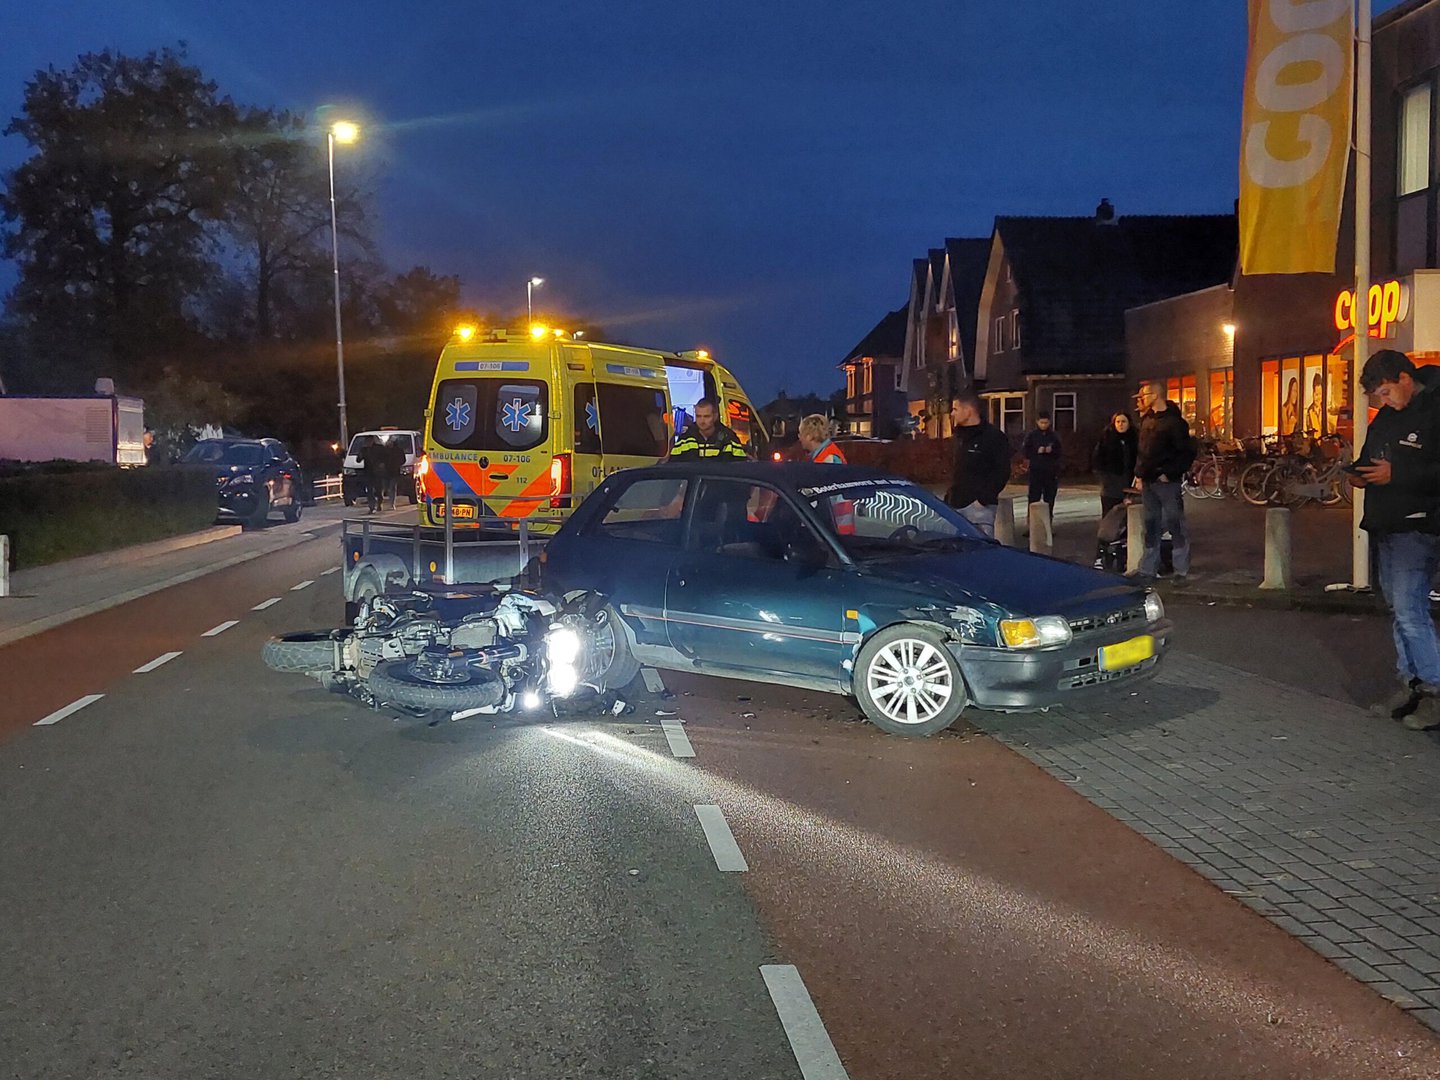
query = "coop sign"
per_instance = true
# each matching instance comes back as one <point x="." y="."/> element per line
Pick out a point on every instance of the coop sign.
<point x="1389" y="304"/>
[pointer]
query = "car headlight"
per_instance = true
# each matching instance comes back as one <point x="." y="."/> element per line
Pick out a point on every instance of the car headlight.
<point x="1154" y="607"/>
<point x="1035" y="633"/>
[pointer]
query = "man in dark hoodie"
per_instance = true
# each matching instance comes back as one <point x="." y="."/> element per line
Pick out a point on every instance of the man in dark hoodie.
<point x="981" y="464"/>
<point x="1042" y="452"/>
<point x="1399" y="468"/>
<point x="1166" y="451"/>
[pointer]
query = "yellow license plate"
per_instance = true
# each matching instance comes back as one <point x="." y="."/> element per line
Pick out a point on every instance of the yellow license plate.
<point x="1127" y="653"/>
<point x="462" y="510"/>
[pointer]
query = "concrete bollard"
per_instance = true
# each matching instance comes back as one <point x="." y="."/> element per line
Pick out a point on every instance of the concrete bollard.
<point x="4" y="566"/>
<point x="1134" y="536"/>
<point x="1005" y="522"/>
<point x="1278" y="570"/>
<point x="1042" y="538"/>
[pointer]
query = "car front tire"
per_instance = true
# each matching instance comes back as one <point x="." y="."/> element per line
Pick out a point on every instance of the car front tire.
<point x="908" y="682"/>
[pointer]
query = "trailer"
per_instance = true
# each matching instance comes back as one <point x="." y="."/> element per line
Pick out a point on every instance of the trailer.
<point x="103" y="426"/>
<point x="381" y="557"/>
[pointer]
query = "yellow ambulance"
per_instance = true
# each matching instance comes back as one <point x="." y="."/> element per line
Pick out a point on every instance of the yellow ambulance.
<point x="525" y="425"/>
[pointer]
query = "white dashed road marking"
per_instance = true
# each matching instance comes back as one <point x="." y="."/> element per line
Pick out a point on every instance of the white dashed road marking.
<point x="332" y="570"/>
<point x="676" y="737"/>
<point x="214" y="630"/>
<point x="163" y="658"/>
<point x="653" y="682"/>
<point x="302" y="585"/>
<point x="74" y="707"/>
<point x="721" y="839"/>
<point x="814" y="1052"/>
<point x="267" y="603"/>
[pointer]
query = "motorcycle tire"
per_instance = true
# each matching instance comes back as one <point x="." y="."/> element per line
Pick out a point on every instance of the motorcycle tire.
<point x="620" y="667"/>
<point x="301" y="652"/>
<point x="393" y="683"/>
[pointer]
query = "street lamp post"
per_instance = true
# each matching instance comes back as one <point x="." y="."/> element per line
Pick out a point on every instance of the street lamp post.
<point x="345" y="132"/>
<point x="529" y="291"/>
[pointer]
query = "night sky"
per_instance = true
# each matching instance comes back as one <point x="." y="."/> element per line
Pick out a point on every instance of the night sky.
<point x="749" y="177"/>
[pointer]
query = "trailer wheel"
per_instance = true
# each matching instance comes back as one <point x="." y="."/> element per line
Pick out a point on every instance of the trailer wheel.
<point x="393" y="683"/>
<point x="302" y="652"/>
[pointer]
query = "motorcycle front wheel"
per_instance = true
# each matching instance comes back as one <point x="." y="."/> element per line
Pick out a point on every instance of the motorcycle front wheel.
<point x="395" y="683"/>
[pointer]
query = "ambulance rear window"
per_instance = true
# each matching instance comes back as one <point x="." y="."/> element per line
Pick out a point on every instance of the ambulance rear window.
<point x="490" y="414"/>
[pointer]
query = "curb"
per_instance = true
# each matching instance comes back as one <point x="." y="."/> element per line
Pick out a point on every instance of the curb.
<point x="1273" y="599"/>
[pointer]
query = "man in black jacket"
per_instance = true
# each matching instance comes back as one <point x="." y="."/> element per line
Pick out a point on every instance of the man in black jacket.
<point x="1399" y="467"/>
<point x="1166" y="451"/>
<point x="981" y="465"/>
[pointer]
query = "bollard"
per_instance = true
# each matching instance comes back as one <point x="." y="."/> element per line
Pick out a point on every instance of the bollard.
<point x="1278" y="572"/>
<point x="4" y="566"/>
<point x="1042" y="539"/>
<point x="1134" y="536"/>
<point x="1005" y="522"/>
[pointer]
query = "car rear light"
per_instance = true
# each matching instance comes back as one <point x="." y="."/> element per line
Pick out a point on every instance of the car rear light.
<point x="776" y="456"/>
<point x="559" y="480"/>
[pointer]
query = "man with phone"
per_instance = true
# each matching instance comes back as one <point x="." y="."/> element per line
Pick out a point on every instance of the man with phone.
<point x="1399" y="468"/>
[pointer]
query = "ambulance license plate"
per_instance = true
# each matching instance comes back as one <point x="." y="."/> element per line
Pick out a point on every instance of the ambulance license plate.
<point x="462" y="510"/>
<point x="1127" y="653"/>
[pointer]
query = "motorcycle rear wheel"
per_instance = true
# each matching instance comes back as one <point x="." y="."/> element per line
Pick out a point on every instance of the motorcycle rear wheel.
<point x="301" y="652"/>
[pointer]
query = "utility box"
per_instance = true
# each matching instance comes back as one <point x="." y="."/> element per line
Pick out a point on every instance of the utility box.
<point x="102" y="426"/>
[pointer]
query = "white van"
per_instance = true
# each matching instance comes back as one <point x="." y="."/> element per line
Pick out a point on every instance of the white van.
<point x="353" y="488"/>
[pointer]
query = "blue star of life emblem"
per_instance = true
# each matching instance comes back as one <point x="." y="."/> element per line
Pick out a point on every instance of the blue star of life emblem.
<point x="457" y="414"/>
<point x="516" y="414"/>
<point x="592" y="416"/>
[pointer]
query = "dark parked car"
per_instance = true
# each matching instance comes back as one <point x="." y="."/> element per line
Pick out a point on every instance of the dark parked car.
<point x="850" y="581"/>
<point x="254" y="477"/>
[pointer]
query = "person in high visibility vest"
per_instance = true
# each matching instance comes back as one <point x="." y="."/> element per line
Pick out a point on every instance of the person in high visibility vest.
<point x="815" y="438"/>
<point x="707" y="437"/>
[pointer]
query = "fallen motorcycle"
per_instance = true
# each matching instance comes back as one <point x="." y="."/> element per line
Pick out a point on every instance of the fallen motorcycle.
<point x="465" y="651"/>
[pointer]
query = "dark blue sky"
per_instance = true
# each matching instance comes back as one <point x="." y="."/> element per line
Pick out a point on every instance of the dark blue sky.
<point x="753" y="177"/>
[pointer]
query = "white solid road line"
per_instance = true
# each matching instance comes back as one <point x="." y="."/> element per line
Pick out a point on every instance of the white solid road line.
<point x="332" y="570"/>
<point x="221" y="628"/>
<point x="302" y="585"/>
<point x="163" y="658"/>
<point x="267" y="603"/>
<point x="74" y="707"/>
<point x="676" y="737"/>
<point x="814" y="1052"/>
<point x="653" y="682"/>
<point x="721" y="839"/>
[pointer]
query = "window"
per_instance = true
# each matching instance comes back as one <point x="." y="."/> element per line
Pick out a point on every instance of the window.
<point x="1007" y="412"/>
<point x="876" y="519"/>
<point x="1182" y="392"/>
<point x="1015" y="328"/>
<point x="747" y="521"/>
<point x="586" y="424"/>
<point x="899" y="379"/>
<point x="850" y="380"/>
<point x="954" y="340"/>
<point x="740" y="418"/>
<point x="997" y="341"/>
<point x="490" y="414"/>
<point x="1062" y="410"/>
<point x="1413" y="159"/>
<point x="647" y="511"/>
<point x="1221" y="419"/>
<point x="1302" y="395"/>
<point x="869" y="377"/>
<point x="632" y="420"/>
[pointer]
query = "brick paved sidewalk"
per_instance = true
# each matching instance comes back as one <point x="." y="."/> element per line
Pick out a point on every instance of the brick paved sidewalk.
<point x="1310" y="811"/>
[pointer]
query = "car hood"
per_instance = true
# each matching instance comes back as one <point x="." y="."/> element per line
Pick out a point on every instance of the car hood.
<point x="1022" y="583"/>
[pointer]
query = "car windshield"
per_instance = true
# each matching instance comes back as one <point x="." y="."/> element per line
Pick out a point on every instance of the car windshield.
<point x="883" y="517"/>
<point x="216" y="453"/>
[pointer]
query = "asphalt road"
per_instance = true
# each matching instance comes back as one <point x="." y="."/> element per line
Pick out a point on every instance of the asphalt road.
<point x="214" y="870"/>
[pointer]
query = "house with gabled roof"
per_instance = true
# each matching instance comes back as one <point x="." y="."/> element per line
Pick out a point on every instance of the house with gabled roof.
<point x="940" y="328"/>
<point x="875" y="402"/>
<point x="1050" y="333"/>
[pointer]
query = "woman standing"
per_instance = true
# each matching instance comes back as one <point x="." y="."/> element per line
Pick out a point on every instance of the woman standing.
<point x="1114" y="461"/>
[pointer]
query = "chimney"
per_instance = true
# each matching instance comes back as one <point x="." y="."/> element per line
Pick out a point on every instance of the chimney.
<point x="1105" y="213"/>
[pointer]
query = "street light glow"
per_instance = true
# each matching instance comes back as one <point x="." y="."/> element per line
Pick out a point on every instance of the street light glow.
<point x="1229" y="328"/>
<point x="345" y="131"/>
<point x="537" y="281"/>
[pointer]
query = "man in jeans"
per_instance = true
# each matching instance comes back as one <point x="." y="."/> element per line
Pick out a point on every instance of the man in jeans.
<point x="1399" y="468"/>
<point x="980" y="468"/>
<point x="1166" y="451"/>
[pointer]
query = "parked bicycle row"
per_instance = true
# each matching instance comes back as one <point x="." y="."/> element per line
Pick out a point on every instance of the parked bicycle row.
<point x="1274" y="470"/>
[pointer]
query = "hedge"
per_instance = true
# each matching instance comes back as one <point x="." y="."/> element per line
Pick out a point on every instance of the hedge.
<point x="60" y="510"/>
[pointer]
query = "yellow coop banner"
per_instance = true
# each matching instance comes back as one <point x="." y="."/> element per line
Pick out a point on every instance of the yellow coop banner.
<point x="1295" y="142"/>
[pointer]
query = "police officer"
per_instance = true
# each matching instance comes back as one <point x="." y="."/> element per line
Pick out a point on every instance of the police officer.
<point x="707" y="437"/>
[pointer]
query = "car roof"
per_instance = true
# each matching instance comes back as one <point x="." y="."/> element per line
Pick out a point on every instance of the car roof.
<point x="796" y="474"/>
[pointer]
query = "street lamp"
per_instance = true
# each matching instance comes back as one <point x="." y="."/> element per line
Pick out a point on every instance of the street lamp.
<point x="529" y="290"/>
<point x="342" y="131"/>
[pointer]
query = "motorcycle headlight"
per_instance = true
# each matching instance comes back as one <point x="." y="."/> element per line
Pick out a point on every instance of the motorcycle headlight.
<point x="1154" y="607"/>
<point x="1035" y="633"/>
<point x="563" y="645"/>
<point x="243" y="478"/>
